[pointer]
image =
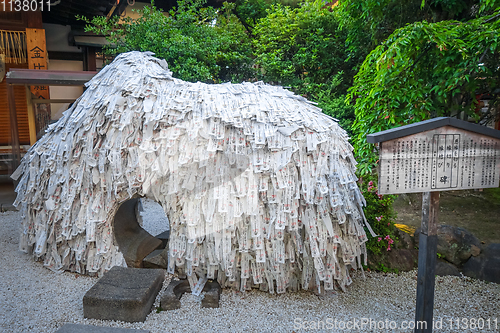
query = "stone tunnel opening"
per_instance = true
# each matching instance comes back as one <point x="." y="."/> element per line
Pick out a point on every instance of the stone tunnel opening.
<point x="135" y="223"/>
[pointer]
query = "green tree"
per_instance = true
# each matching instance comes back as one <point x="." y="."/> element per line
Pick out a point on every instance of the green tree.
<point x="424" y="70"/>
<point x="303" y="48"/>
<point x="199" y="44"/>
<point x="250" y="11"/>
<point x="370" y="22"/>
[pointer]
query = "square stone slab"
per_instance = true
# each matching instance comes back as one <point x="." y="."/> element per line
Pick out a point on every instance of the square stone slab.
<point x="78" y="328"/>
<point x="125" y="294"/>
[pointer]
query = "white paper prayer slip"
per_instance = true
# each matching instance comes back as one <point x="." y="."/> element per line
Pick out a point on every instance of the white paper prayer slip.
<point x="259" y="185"/>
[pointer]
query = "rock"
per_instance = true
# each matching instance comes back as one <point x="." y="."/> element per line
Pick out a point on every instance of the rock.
<point x="79" y="328"/>
<point x="444" y="268"/>
<point x="125" y="294"/>
<point x="455" y="244"/>
<point x="395" y="259"/>
<point x="170" y="300"/>
<point x="164" y="237"/>
<point x="405" y="241"/>
<point x="486" y="266"/>
<point x="134" y="242"/>
<point x="155" y="260"/>
<point x="492" y="250"/>
<point x="212" y="295"/>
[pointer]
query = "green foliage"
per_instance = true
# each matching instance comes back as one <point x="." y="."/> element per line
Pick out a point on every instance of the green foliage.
<point x="250" y="11"/>
<point x="296" y="46"/>
<point x="330" y="100"/>
<point x="422" y="71"/>
<point x="382" y="268"/>
<point x="197" y="43"/>
<point x="336" y="106"/>
<point x="303" y="48"/>
<point x="369" y="22"/>
<point x="380" y="215"/>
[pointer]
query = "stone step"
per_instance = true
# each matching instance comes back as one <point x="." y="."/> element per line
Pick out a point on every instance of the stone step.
<point x="125" y="294"/>
<point x="79" y="328"/>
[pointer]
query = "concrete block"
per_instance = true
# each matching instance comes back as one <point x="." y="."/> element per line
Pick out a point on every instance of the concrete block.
<point x="125" y="294"/>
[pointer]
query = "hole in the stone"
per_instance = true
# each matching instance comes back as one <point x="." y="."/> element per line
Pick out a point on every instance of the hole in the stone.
<point x="134" y="242"/>
<point x="153" y="217"/>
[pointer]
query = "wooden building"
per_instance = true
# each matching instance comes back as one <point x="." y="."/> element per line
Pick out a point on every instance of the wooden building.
<point x="43" y="40"/>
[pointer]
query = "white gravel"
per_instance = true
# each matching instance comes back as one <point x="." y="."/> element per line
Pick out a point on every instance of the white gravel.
<point x="34" y="299"/>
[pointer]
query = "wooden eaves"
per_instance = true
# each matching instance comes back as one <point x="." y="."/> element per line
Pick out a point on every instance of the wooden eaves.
<point x="29" y="77"/>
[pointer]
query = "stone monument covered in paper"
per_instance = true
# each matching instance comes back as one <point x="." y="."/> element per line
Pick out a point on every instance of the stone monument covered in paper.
<point x="258" y="184"/>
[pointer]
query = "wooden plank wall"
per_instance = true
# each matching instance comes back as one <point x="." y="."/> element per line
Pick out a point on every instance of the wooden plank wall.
<point x="17" y="21"/>
<point x="21" y="108"/>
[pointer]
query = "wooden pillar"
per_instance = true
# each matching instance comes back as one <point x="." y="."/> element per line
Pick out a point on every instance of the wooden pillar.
<point x="16" y="152"/>
<point x="90" y="59"/>
<point x="37" y="59"/>
<point x="33" y="19"/>
<point x="31" y="116"/>
<point x="427" y="263"/>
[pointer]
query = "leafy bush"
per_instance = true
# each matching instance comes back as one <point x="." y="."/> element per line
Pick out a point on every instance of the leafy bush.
<point x="250" y="11"/>
<point x="297" y="46"/>
<point x="425" y="70"/>
<point x="199" y="44"/>
<point x="303" y="48"/>
<point x="380" y="215"/>
<point x="330" y="100"/>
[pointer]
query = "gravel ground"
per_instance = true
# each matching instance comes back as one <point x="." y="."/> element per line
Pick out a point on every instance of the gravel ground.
<point x="34" y="299"/>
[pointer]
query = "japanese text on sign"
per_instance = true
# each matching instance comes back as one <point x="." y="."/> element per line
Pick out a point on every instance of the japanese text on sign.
<point x="446" y="158"/>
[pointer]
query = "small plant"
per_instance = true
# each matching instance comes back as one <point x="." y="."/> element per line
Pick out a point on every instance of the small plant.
<point x="389" y="240"/>
<point x="381" y="267"/>
<point x="380" y="215"/>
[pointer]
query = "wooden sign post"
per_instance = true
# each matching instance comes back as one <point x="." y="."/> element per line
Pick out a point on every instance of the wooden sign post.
<point x="427" y="262"/>
<point x="38" y="115"/>
<point x="37" y="57"/>
<point x="440" y="154"/>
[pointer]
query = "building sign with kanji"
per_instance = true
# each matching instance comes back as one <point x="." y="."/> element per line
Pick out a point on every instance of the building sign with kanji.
<point x="443" y="158"/>
<point x="37" y="57"/>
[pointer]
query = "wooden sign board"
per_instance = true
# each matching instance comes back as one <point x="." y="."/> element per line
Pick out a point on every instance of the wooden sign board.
<point x="439" y="154"/>
<point x="37" y="57"/>
<point x="442" y="159"/>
